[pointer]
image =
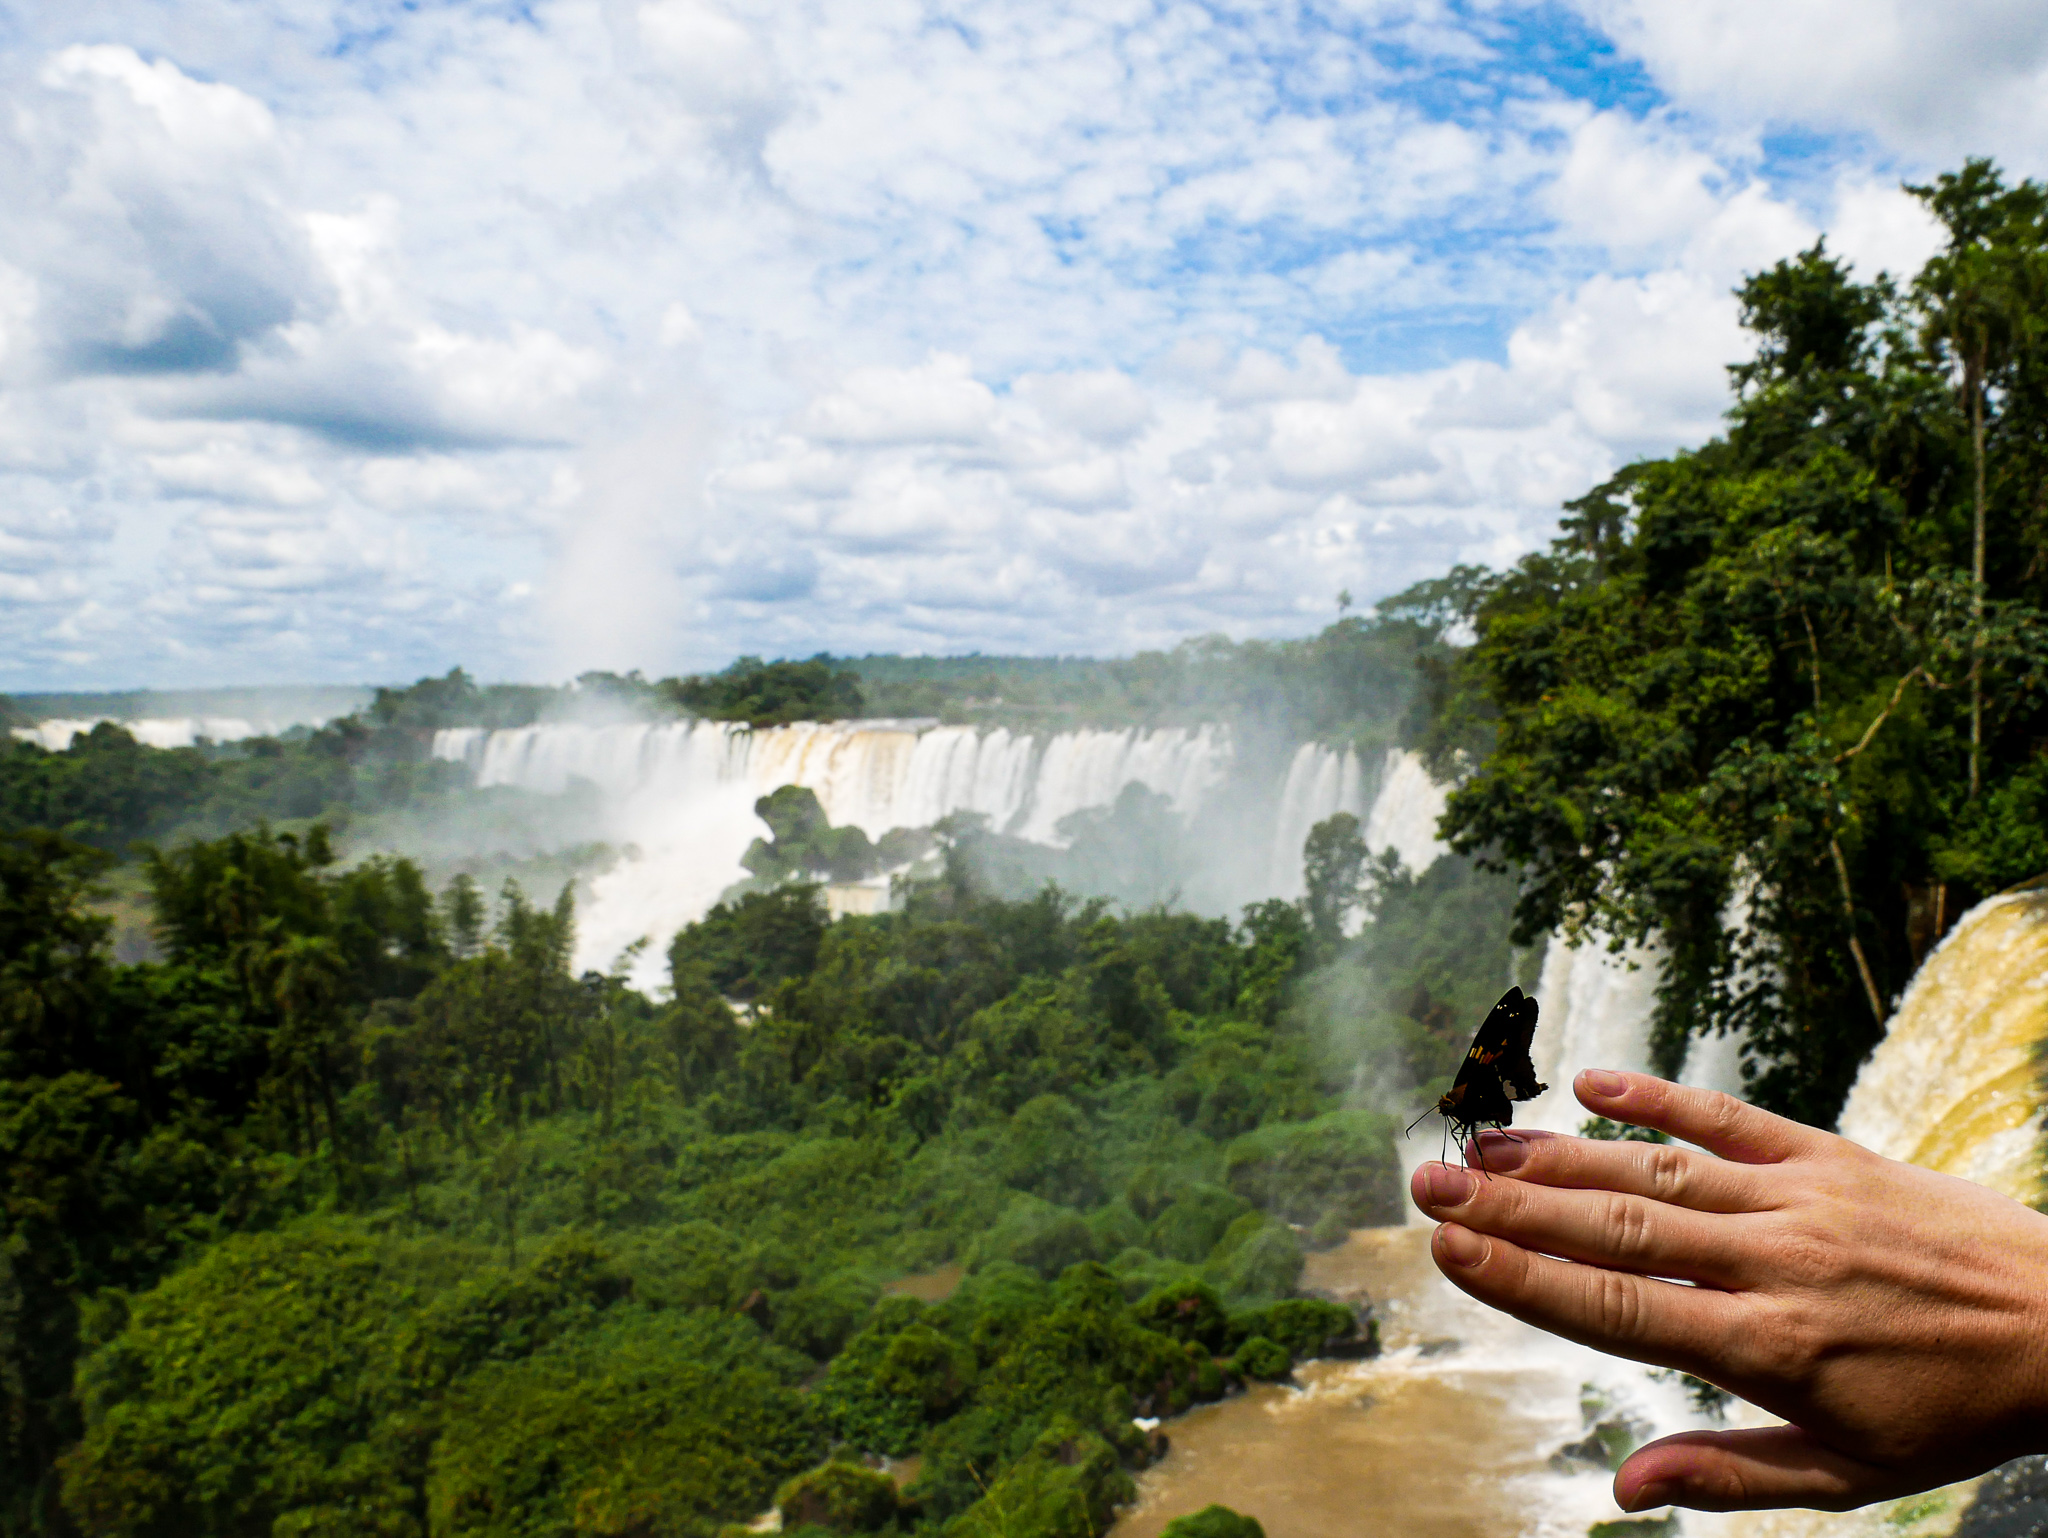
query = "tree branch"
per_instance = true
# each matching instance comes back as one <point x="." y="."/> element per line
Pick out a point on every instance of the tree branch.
<point x="1855" y="944"/>
<point x="1881" y="717"/>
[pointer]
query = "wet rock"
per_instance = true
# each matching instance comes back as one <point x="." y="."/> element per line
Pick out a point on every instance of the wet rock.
<point x="2012" y="1503"/>
<point x="1636" y="1527"/>
<point x="1431" y="1348"/>
<point x="1604" y="1448"/>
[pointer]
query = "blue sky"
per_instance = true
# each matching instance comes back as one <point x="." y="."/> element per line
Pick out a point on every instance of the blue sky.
<point x="348" y="342"/>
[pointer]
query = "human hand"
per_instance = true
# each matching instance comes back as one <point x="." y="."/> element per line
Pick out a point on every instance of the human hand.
<point x="1896" y="1318"/>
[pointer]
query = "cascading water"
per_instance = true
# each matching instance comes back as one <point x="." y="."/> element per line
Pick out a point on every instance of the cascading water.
<point x="682" y="795"/>
<point x="1396" y="801"/>
<point x="55" y="734"/>
<point x="1955" y="1084"/>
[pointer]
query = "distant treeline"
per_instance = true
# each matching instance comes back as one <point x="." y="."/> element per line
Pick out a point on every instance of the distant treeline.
<point x="1373" y="679"/>
<point x="254" y="702"/>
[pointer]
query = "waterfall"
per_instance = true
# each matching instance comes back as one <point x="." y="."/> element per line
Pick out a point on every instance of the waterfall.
<point x="1955" y="1085"/>
<point x="1321" y="782"/>
<point x="681" y="795"/>
<point x="56" y="733"/>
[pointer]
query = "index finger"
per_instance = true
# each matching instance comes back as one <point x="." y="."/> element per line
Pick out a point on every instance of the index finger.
<point x="1661" y="1172"/>
<point x="1719" y="1123"/>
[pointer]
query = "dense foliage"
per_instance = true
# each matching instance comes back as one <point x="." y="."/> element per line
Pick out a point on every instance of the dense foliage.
<point x="1370" y="679"/>
<point x="769" y="693"/>
<point x="357" y="1212"/>
<point x="1794" y="679"/>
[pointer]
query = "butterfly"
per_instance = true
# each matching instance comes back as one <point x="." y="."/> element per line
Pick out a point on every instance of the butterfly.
<point x="1496" y="1072"/>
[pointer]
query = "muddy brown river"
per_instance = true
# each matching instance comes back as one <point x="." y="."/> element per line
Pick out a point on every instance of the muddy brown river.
<point x="1450" y="1433"/>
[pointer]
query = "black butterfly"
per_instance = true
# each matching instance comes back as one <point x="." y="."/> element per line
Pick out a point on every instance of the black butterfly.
<point x="1496" y="1072"/>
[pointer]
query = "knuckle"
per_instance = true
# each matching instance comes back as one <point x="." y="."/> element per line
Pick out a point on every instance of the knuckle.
<point x="1615" y="1304"/>
<point x="1723" y="1114"/>
<point x="1724" y="1487"/>
<point x="1785" y="1347"/>
<point x="1627" y="1227"/>
<point x="1669" y="1172"/>
<point x="1809" y="1262"/>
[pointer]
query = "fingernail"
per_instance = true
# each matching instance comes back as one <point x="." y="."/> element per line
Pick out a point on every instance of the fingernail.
<point x="1657" y="1492"/>
<point x="1600" y="1082"/>
<point x="1500" y="1153"/>
<point x="1462" y="1247"/>
<point x="1447" y="1186"/>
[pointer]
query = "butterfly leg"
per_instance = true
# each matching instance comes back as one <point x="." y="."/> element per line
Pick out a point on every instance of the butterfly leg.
<point x="1476" y="1144"/>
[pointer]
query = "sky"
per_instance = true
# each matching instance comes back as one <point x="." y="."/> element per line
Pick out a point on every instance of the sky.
<point x="352" y="340"/>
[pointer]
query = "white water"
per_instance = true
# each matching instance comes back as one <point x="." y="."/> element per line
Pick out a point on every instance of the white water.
<point x="56" y="733"/>
<point x="1395" y="800"/>
<point x="680" y="798"/>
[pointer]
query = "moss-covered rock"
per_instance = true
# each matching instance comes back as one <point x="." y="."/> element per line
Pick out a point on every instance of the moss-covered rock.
<point x="1214" y="1522"/>
<point x="840" y="1498"/>
<point x="1188" y="1311"/>
<point x="1265" y="1360"/>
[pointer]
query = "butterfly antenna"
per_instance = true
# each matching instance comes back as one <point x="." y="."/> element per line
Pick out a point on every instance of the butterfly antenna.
<point x="1418" y="1121"/>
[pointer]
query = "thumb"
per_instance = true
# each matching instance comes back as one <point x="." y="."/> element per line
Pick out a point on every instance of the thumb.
<point x="1750" y="1471"/>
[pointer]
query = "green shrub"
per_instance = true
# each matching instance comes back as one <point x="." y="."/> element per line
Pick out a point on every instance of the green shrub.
<point x="1189" y="1228"/>
<point x="1256" y="1259"/>
<point x="623" y="1429"/>
<point x="1342" y="1162"/>
<point x="1329" y="1231"/>
<point x="1037" y="1235"/>
<point x="839" y="1497"/>
<point x="817" y="1318"/>
<point x="1307" y="1327"/>
<point x="1153" y="1189"/>
<point x="930" y="1369"/>
<point x="1214" y="1522"/>
<point x="1263" y="1359"/>
<point x="876" y="1404"/>
<point x="1116" y="1228"/>
<point x="1049" y="1151"/>
<point x="259" y="1387"/>
<point x="1067" y="1486"/>
<point x="1188" y="1311"/>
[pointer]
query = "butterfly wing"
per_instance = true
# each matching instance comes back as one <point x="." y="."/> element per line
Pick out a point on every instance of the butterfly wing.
<point x="1517" y="1071"/>
<point x="1479" y="1093"/>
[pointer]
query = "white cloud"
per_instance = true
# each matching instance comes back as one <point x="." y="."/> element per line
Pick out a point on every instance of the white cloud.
<point x="644" y="332"/>
<point x="1962" y="77"/>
